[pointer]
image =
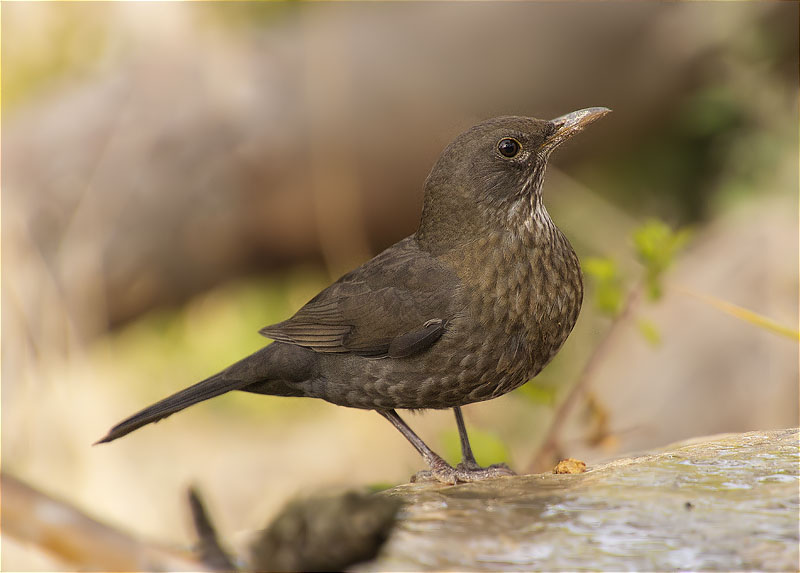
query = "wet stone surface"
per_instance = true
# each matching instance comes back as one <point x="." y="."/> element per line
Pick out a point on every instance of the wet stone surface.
<point x="722" y="503"/>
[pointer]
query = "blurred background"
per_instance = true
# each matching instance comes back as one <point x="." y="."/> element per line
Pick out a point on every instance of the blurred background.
<point x="178" y="175"/>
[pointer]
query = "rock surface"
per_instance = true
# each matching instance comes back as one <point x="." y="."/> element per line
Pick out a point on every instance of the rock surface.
<point x="726" y="502"/>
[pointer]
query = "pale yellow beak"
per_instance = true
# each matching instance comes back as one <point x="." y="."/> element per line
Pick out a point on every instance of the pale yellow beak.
<point x="572" y="123"/>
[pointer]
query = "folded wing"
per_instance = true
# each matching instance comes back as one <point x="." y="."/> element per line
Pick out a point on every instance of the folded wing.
<point x="397" y="304"/>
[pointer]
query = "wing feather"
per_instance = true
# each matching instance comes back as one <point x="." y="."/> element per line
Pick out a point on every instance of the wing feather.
<point x="396" y="304"/>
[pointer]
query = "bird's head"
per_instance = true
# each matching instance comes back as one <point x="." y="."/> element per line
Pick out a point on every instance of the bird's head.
<point x="491" y="175"/>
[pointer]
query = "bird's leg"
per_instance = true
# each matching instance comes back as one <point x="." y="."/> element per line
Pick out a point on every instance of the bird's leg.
<point x="440" y="469"/>
<point x="467" y="458"/>
<point x="468" y="465"/>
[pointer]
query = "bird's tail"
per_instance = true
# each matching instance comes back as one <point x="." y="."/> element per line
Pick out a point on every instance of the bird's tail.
<point x="238" y="376"/>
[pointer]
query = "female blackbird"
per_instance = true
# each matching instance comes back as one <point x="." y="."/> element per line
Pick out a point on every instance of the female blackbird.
<point x="471" y="306"/>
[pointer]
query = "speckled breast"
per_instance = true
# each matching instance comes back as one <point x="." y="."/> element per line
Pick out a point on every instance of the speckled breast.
<point x="528" y="297"/>
<point x="520" y="300"/>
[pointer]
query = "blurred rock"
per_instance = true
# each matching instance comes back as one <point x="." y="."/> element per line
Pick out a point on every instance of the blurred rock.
<point x="325" y="533"/>
<point x="196" y="152"/>
<point x="725" y="503"/>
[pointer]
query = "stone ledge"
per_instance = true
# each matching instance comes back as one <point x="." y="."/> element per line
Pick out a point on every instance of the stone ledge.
<point x="726" y="502"/>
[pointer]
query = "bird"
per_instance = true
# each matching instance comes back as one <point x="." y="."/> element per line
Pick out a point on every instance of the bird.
<point x="469" y="307"/>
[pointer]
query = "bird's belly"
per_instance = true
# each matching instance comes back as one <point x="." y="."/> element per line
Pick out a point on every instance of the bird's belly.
<point x="468" y="364"/>
<point x="511" y="325"/>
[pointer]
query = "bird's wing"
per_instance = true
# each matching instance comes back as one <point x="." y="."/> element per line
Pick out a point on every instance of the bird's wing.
<point x="397" y="304"/>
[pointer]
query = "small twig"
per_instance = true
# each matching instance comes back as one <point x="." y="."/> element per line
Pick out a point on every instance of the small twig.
<point x="209" y="550"/>
<point x="549" y="449"/>
<point x="739" y="312"/>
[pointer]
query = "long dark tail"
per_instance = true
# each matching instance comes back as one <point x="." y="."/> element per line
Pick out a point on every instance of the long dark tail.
<point x="272" y="361"/>
<point x="208" y="388"/>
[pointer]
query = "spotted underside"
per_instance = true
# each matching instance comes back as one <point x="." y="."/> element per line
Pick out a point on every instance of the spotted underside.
<point x="528" y="298"/>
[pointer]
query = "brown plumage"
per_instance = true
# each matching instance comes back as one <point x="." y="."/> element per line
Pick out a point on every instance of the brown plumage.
<point x="471" y="306"/>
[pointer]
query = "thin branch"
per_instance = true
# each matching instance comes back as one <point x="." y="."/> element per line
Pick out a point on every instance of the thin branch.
<point x="78" y="540"/>
<point x="549" y="449"/>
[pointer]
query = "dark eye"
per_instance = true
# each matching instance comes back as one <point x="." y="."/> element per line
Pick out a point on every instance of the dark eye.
<point x="508" y="147"/>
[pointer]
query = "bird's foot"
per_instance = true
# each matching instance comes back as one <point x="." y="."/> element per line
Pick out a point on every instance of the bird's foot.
<point x="443" y="472"/>
<point x="494" y="470"/>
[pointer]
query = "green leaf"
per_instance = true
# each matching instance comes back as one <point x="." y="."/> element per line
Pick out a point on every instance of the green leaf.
<point x="656" y="247"/>
<point x="650" y="331"/>
<point x="608" y="294"/>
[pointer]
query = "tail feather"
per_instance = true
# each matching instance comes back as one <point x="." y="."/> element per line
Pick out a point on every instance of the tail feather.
<point x="270" y="370"/>
<point x="204" y="390"/>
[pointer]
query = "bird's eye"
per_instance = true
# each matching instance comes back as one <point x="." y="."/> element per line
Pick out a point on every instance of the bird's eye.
<point x="508" y="147"/>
